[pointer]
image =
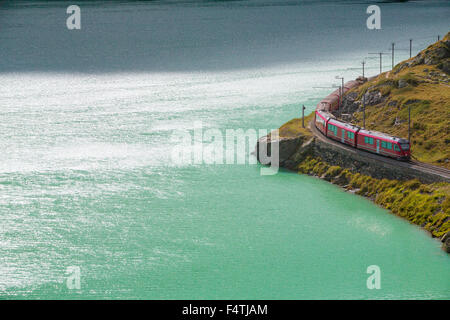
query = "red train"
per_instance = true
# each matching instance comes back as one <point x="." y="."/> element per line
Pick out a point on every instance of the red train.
<point x="372" y="141"/>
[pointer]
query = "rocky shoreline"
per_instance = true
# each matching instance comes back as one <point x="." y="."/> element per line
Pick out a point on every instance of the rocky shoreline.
<point x="422" y="200"/>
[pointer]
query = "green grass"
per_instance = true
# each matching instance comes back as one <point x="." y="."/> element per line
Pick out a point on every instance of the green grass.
<point x="293" y="128"/>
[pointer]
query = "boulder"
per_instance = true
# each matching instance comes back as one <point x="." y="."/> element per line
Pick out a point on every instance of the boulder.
<point x="445" y="66"/>
<point x="446" y="242"/>
<point x="402" y="83"/>
<point x="398" y="121"/>
<point x="374" y="98"/>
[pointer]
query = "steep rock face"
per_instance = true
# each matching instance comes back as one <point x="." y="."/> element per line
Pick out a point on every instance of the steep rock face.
<point x="287" y="147"/>
<point x="438" y="54"/>
<point x="351" y="103"/>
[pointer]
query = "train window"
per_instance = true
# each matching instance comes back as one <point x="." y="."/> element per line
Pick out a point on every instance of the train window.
<point x="332" y="128"/>
<point x="404" y="146"/>
<point x="386" y="145"/>
<point x="368" y="140"/>
<point x="350" y="135"/>
<point x="396" y="148"/>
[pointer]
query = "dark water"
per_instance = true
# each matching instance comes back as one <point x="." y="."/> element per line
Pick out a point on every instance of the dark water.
<point x="86" y="179"/>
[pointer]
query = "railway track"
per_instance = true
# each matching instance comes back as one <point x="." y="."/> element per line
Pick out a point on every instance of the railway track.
<point x="443" y="173"/>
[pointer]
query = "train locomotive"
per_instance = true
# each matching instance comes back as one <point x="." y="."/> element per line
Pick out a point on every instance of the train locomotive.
<point x="354" y="136"/>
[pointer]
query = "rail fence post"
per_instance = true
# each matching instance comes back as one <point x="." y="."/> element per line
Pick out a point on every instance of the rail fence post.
<point x="410" y="48"/>
<point x="393" y="44"/>
<point x="364" y="109"/>
<point x="381" y="62"/>
<point x="303" y="116"/>
<point x="409" y="126"/>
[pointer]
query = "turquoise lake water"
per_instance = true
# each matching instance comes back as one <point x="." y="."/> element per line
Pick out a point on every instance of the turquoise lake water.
<point x="86" y="177"/>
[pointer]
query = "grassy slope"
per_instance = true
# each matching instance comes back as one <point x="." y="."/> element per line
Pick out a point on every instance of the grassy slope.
<point x="293" y="128"/>
<point x="427" y="93"/>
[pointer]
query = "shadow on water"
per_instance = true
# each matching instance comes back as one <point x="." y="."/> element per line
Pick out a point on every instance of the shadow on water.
<point x="197" y="35"/>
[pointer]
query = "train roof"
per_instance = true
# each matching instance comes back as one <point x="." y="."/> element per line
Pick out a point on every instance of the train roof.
<point x="325" y="113"/>
<point x="336" y="92"/>
<point x="383" y="136"/>
<point x="351" y="84"/>
<point x="345" y="124"/>
<point x="330" y="98"/>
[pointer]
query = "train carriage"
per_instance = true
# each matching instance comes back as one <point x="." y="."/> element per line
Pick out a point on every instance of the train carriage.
<point x="350" y="85"/>
<point x="381" y="143"/>
<point x="372" y="141"/>
<point x="330" y="102"/>
<point x="342" y="132"/>
<point x="321" y="120"/>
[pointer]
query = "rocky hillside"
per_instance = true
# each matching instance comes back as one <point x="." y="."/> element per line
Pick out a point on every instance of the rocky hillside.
<point x="422" y="84"/>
